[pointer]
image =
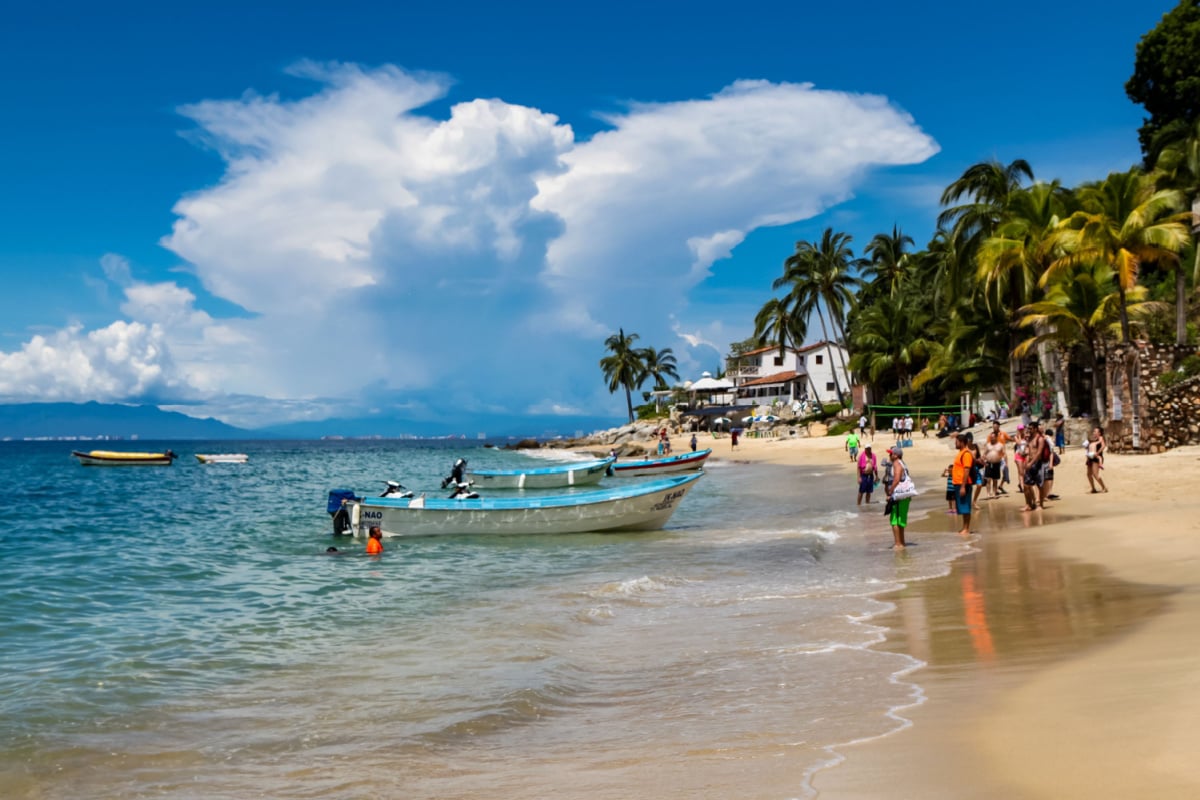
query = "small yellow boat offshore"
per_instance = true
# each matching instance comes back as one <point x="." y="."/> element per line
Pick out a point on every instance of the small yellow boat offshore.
<point x="116" y="458"/>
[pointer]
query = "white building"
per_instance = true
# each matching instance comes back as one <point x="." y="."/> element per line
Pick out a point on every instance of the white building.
<point x="765" y="375"/>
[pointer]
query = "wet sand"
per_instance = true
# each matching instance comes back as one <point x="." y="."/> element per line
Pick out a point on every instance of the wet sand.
<point x="1062" y="657"/>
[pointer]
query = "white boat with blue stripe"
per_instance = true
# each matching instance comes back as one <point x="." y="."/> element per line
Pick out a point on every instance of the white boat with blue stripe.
<point x="557" y="476"/>
<point x="635" y="506"/>
<point x="684" y="462"/>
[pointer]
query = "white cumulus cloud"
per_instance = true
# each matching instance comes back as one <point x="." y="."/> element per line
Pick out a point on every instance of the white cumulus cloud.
<point x="123" y="361"/>
<point x="475" y="261"/>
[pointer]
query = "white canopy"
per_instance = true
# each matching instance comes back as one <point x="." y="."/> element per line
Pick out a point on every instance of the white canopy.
<point x="711" y="385"/>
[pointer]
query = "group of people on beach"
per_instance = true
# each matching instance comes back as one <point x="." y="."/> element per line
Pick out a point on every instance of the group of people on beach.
<point x="902" y="427"/>
<point x="1035" y="454"/>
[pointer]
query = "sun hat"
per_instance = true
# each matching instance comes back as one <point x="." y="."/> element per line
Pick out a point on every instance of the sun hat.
<point x="896" y="451"/>
<point x="1021" y="427"/>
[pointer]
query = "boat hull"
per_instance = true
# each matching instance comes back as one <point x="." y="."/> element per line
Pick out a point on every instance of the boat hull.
<point x="635" y="507"/>
<point x="113" y="458"/>
<point x="555" y="477"/>
<point x="684" y="462"/>
<point x="222" y="458"/>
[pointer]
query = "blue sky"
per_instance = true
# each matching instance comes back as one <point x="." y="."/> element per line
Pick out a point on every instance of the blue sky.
<point x="268" y="212"/>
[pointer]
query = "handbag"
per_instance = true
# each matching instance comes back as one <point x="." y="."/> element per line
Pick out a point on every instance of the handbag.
<point x="905" y="488"/>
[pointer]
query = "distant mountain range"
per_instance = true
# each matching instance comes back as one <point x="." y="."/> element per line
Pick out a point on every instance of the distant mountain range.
<point x="103" y="420"/>
<point x="111" y="421"/>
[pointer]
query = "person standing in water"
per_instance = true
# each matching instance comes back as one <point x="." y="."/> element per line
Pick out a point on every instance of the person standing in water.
<point x="963" y="488"/>
<point x="899" y="506"/>
<point x="375" y="542"/>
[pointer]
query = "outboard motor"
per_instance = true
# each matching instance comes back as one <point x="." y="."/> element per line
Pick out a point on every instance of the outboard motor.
<point x="462" y="491"/>
<point x="337" y="509"/>
<point x="395" y="489"/>
<point x="458" y="474"/>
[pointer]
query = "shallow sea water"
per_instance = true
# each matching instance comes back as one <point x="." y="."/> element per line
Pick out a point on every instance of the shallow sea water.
<point x="180" y="633"/>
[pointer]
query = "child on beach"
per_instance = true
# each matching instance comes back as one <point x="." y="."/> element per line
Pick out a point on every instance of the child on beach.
<point x="948" y="474"/>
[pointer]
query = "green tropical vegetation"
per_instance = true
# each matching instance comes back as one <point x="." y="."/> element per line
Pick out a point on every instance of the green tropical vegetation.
<point x="628" y="367"/>
<point x="1026" y="288"/>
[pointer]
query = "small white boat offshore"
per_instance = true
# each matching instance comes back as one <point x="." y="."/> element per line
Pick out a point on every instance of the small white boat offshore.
<point x="117" y="458"/>
<point x="641" y="506"/>
<point x="222" y="458"/>
<point x="684" y="462"/>
<point x="580" y="473"/>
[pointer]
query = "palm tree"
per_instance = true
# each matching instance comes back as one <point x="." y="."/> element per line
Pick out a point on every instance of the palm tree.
<point x="624" y="366"/>
<point x="803" y="298"/>
<point x="891" y="340"/>
<point x="970" y="348"/>
<point x="832" y="284"/>
<point x="988" y="186"/>
<point x="1178" y="166"/>
<point x="1124" y="223"/>
<point x="888" y="262"/>
<point x="658" y="364"/>
<point x="1011" y="261"/>
<point x="1078" y="309"/>
<point x="777" y="324"/>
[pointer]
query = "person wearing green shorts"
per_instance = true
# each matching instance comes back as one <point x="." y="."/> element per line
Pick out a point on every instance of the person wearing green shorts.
<point x="899" y="515"/>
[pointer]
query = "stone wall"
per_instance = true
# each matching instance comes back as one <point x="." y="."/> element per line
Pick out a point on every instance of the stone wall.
<point x="1174" y="415"/>
<point x="1162" y="426"/>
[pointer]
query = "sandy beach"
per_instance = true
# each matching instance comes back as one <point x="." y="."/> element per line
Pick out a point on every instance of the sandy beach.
<point x="1061" y="653"/>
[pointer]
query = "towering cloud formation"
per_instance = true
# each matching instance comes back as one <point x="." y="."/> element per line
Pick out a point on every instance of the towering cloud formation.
<point x="476" y="261"/>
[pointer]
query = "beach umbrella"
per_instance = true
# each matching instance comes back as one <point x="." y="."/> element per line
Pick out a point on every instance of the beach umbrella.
<point x="722" y="420"/>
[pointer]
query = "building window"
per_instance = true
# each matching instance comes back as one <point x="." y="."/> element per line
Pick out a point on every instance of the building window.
<point x="820" y="359"/>
<point x="802" y="361"/>
<point x="829" y="387"/>
<point x="779" y="361"/>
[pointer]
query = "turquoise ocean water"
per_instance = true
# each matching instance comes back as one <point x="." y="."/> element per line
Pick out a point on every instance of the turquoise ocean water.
<point x="180" y="633"/>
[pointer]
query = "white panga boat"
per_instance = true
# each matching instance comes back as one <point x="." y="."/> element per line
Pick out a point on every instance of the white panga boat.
<point x="580" y="473"/>
<point x="117" y="458"/>
<point x="222" y="458"/>
<point x="684" y="462"/>
<point x="640" y="506"/>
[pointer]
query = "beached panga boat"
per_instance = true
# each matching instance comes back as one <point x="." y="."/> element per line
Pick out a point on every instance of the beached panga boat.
<point x="580" y="473"/>
<point x="684" y="462"/>
<point x="222" y="458"/>
<point x="116" y="458"/>
<point x="640" y="506"/>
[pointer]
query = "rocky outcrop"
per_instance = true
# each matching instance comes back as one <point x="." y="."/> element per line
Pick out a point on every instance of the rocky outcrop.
<point x="628" y="440"/>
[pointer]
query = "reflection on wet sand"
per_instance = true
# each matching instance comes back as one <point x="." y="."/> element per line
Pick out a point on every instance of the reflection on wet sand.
<point x="1014" y="603"/>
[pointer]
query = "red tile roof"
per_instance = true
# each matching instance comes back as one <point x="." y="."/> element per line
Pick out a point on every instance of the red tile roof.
<point x="778" y="377"/>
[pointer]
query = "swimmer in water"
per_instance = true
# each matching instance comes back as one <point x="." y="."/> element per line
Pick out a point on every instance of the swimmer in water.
<point x="375" y="543"/>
